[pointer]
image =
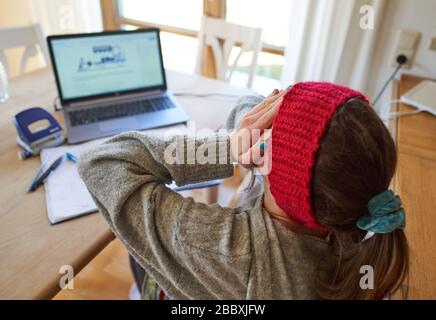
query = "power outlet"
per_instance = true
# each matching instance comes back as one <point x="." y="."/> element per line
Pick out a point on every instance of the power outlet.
<point x="407" y="44"/>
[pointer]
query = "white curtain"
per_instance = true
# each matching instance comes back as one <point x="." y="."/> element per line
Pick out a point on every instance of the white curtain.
<point x="327" y="42"/>
<point x="67" y="16"/>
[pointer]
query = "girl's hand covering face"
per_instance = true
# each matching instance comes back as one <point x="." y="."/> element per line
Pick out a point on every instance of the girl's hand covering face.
<point x="254" y="130"/>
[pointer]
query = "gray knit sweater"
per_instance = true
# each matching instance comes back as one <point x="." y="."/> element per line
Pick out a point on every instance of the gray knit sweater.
<point x="194" y="250"/>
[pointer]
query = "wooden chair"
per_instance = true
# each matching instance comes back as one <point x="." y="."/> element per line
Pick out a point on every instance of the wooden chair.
<point x="222" y="36"/>
<point x="29" y="37"/>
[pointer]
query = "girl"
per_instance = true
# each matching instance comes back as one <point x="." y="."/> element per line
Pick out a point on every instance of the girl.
<point x="325" y="214"/>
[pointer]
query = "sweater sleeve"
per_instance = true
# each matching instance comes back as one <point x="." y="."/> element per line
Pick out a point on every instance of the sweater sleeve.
<point x="191" y="249"/>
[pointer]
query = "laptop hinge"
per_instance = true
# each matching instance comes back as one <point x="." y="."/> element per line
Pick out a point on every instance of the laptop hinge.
<point x="114" y="99"/>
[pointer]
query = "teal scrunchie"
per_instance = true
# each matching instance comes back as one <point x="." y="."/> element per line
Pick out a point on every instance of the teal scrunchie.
<point x="385" y="214"/>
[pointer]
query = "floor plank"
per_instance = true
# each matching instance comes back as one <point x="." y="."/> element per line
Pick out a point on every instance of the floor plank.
<point x="107" y="276"/>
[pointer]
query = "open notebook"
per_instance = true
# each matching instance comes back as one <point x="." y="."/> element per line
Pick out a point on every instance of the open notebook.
<point x="65" y="192"/>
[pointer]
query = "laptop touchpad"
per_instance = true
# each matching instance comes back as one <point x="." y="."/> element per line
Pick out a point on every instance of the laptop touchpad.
<point x="118" y="124"/>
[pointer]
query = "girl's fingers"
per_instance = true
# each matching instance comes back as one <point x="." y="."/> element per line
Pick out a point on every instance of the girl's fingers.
<point x="251" y="133"/>
<point x="271" y="100"/>
<point x="262" y="103"/>
<point x="257" y="120"/>
<point x="266" y="119"/>
<point x="275" y="91"/>
<point x="276" y="94"/>
<point x="254" y="156"/>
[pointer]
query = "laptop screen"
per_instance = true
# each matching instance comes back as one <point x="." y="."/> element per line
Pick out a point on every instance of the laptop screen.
<point x="105" y="64"/>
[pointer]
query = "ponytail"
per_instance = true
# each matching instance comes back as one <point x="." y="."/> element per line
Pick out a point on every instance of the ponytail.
<point x="372" y="269"/>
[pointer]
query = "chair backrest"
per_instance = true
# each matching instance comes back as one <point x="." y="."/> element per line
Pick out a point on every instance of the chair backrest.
<point x="222" y="36"/>
<point x="28" y="37"/>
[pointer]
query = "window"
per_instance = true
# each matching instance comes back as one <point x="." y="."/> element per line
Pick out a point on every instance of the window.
<point x="181" y="14"/>
<point x="272" y="16"/>
<point x="177" y="50"/>
<point x="179" y="22"/>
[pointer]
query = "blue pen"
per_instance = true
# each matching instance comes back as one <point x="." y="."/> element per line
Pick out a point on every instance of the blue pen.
<point x="71" y="157"/>
<point x="41" y="177"/>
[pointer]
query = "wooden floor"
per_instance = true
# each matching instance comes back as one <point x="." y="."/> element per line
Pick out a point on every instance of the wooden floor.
<point x="108" y="276"/>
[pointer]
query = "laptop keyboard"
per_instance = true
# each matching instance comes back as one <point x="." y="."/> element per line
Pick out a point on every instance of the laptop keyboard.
<point x="118" y="110"/>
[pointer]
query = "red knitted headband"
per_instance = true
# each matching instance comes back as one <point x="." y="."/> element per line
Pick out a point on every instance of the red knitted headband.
<point x="298" y="128"/>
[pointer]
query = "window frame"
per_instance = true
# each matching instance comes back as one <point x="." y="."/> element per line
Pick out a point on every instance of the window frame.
<point x="215" y="8"/>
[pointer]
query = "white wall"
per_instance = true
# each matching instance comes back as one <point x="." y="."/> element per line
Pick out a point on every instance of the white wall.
<point x="55" y="16"/>
<point x="419" y="15"/>
<point x="67" y="16"/>
<point x="16" y="13"/>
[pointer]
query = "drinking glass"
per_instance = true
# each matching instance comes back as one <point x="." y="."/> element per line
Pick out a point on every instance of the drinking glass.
<point x="4" y="89"/>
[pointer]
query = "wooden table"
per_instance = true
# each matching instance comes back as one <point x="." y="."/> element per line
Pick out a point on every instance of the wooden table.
<point x="31" y="250"/>
<point x="415" y="182"/>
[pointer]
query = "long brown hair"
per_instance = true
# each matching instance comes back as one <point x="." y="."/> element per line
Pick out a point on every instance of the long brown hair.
<point x="356" y="161"/>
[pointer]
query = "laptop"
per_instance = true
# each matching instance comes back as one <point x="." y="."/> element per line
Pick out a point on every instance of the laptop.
<point x="110" y="82"/>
